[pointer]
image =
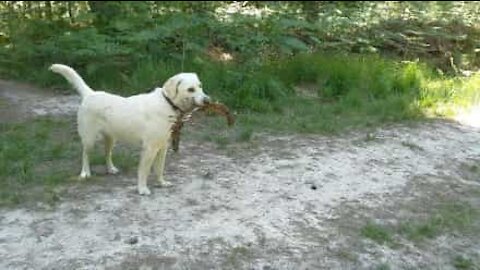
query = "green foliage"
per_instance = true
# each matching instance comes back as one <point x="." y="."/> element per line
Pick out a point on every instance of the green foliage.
<point x="343" y="62"/>
<point x="95" y="35"/>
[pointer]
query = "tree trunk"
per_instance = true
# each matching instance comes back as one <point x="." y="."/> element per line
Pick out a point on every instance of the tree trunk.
<point x="311" y="10"/>
<point x="48" y="7"/>
<point x="104" y="11"/>
<point x="70" y="12"/>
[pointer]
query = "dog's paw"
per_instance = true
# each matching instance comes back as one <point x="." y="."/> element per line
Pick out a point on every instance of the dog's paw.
<point x="112" y="170"/>
<point x="84" y="175"/>
<point x="164" y="183"/>
<point x="144" y="191"/>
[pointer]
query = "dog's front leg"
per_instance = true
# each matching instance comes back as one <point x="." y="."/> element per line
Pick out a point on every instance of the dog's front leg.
<point x="159" y="166"/>
<point x="148" y="155"/>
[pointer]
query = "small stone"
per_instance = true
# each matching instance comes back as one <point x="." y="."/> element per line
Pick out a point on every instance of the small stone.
<point x="313" y="187"/>
<point x="132" y="240"/>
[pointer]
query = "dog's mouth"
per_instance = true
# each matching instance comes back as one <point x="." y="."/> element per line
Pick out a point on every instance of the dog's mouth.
<point x="192" y="103"/>
<point x="203" y="101"/>
<point x="189" y="104"/>
<point x="197" y="103"/>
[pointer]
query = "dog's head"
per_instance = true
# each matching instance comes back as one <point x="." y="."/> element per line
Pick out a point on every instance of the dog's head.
<point x="185" y="91"/>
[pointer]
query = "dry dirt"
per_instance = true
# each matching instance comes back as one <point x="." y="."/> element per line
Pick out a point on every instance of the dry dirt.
<point x="290" y="202"/>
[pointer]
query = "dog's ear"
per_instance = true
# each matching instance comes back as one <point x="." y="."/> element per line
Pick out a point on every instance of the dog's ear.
<point x="171" y="86"/>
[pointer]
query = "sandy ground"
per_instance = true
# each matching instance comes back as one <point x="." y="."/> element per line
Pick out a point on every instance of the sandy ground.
<point x="291" y="202"/>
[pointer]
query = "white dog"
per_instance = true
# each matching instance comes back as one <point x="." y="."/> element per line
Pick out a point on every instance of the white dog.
<point x="144" y="118"/>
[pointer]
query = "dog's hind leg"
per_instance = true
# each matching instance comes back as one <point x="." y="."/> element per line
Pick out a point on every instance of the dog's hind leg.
<point x="85" y="173"/>
<point x="88" y="141"/>
<point x="159" y="167"/>
<point x="109" y="144"/>
<point x="88" y="137"/>
<point x="148" y="155"/>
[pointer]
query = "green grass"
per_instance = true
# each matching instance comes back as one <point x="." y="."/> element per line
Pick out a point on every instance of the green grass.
<point x="39" y="156"/>
<point x="347" y="255"/>
<point x="383" y="266"/>
<point x="412" y="146"/>
<point x="464" y="263"/>
<point x="124" y="157"/>
<point x="35" y="154"/>
<point x="237" y="256"/>
<point x="449" y="217"/>
<point x="377" y="233"/>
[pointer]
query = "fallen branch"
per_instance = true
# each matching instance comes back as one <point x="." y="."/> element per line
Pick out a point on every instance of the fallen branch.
<point x="216" y="108"/>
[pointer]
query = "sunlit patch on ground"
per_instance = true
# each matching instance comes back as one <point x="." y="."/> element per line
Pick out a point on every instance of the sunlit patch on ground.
<point x="470" y="116"/>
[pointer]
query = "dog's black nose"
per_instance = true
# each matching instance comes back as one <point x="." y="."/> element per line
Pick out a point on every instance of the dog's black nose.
<point x="206" y="100"/>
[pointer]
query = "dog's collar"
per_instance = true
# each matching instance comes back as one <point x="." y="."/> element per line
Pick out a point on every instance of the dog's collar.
<point x="174" y="107"/>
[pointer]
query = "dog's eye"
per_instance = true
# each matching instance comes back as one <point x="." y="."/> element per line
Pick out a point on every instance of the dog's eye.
<point x="191" y="89"/>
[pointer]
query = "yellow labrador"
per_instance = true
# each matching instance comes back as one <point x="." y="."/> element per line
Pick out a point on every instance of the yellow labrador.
<point x="144" y="119"/>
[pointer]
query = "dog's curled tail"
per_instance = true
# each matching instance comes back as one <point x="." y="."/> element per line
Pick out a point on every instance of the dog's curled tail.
<point x="73" y="78"/>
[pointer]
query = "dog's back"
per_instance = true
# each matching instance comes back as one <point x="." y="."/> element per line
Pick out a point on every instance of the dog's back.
<point x="125" y="118"/>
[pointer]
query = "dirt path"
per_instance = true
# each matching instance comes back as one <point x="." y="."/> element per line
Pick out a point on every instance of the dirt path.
<point x="20" y="101"/>
<point x="282" y="205"/>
